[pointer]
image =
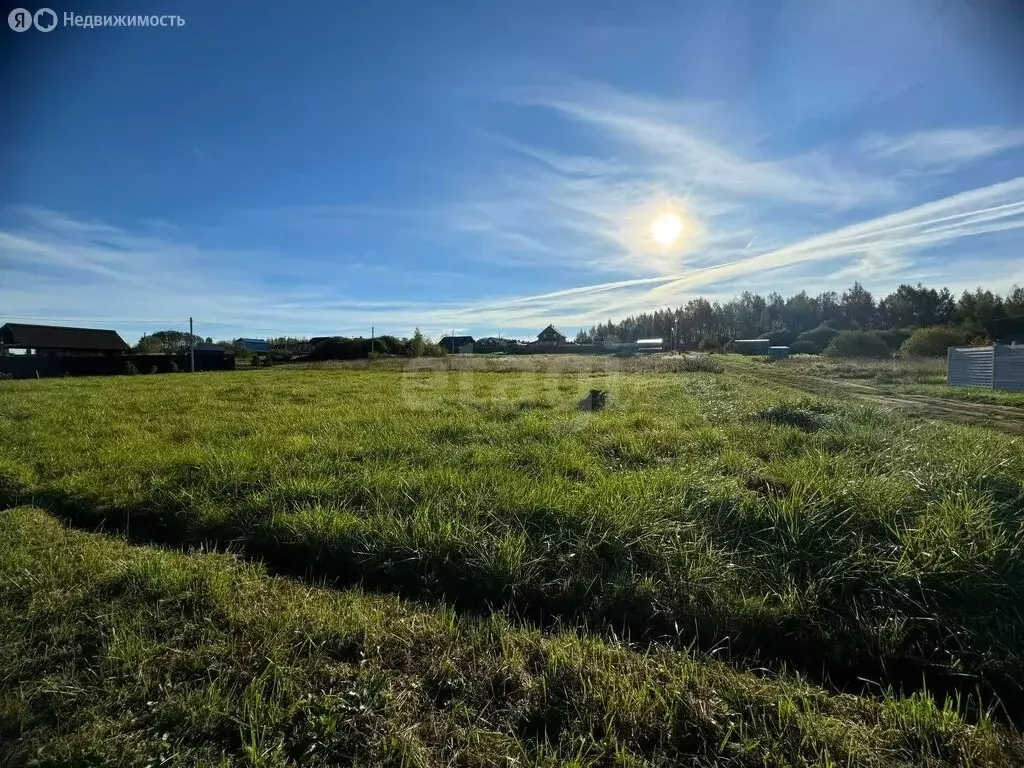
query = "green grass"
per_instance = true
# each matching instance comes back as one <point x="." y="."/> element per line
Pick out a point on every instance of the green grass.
<point x="700" y="511"/>
<point x="911" y="376"/>
<point x="550" y="364"/>
<point x="895" y="371"/>
<point x="114" y="654"/>
<point x="967" y="394"/>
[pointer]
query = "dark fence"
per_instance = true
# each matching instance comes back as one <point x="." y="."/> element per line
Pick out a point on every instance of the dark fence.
<point x="1007" y="329"/>
<point x="538" y="348"/>
<point x="32" y="366"/>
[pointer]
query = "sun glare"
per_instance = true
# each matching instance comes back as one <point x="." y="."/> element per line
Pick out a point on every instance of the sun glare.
<point x="667" y="228"/>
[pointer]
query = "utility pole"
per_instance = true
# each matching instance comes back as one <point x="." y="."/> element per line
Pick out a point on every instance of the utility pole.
<point x="371" y="339"/>
<point x="191" y="348"/>
<point x="453" y="341"/>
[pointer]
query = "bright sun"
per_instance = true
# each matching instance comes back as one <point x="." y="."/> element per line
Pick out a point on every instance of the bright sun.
<point x="667" y="228"/>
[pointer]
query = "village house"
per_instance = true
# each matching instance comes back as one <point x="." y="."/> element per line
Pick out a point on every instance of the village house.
<point x="58" y="341"/>
<point x="462" y="345"/>
<point x="551" y="335"/>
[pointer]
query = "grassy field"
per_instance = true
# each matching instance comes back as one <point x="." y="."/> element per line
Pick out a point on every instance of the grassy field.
<point x="895" y="371"/>
<point x="966" y="394"/>
<point x="925" y="377"/>
<point x="463" y="568"/>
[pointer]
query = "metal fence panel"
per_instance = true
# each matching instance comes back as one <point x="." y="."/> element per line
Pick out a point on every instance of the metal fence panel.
<point x="969" y="366"/>
<point x="1008" y="368"/>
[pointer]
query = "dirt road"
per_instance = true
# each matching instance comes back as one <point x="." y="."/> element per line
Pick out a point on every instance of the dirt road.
<point x="1003" y="417"/>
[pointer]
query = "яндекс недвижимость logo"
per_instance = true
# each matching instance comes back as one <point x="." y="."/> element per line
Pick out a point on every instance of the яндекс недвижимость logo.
<point x="46" y="20"/>
<point x="21" y="20"/>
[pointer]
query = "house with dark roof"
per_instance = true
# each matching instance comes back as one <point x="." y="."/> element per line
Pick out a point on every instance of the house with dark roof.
<point x="490" y="344"/>
<point x="457" y="344"/>
<point x="209" y="349"/>
<point x="56" y="341"/>
<point x="551" y="335"/>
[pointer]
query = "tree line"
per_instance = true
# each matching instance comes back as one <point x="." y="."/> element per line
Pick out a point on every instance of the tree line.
<point x="172" y="342"/>
<point x="700" y="324"/>
<point x="805" y="323"/>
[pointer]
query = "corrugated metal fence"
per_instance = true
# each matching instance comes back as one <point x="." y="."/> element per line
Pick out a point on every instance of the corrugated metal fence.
<point x="1008" y="368"/>
<point x="969" y="366"/>
<point x="998" y="367"/>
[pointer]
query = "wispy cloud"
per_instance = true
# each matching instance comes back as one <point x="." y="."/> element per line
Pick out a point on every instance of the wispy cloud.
<point x="590" y="208"/>
<point x="59" y="268"/>
<point x="883" y="247"/>
<point x="667" y="132"/>
<point x="746" y="209"/>
<point x="579" y="206"/>
<point x="874" y="265"/>
<point x="942" y="150"/>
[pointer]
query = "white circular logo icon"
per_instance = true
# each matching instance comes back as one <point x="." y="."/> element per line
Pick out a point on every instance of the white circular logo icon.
<point x="45" y="20"/>
<point x="19" y="20"/>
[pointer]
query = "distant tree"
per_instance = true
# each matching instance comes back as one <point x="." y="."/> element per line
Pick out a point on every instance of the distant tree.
<point x="858" y="344"/>
<point x="240" y="351"/>
<point x="710" y="343"/>
<point x="894" y="337"/>
<point x="434" y="350"/>
<point x="1014" y="304"/>
<point x="780" y="337"/>
<point x="337" y="348"/>
<point x="945" y="307"/>
<point x="417" y="344"/>
<point x="858" y="307"/>
<point x="287" y="347"/>
<point x="421" y="345"/>
<point x="819" y="338"/>
<point x="933" y="341"/>
<point x="982" y="313"/>
<point x="388" y="345"/>
<point x="829" y="309"/>
<point x="980" y="309"/>
<point x="800" y="312"/>
<point x="148" y="345"/>
<point x="169" y="342"/>
<point x="913" y="307"/>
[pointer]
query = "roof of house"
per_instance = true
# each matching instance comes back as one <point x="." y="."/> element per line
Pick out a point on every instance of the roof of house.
<point x="459" y="341"/>
<point x="551" y="328"/>
<point x="58" y="337"/>
<point x="254" y="345"/>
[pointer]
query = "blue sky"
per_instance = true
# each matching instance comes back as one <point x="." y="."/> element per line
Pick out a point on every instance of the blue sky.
<point x="493" y="167"/>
